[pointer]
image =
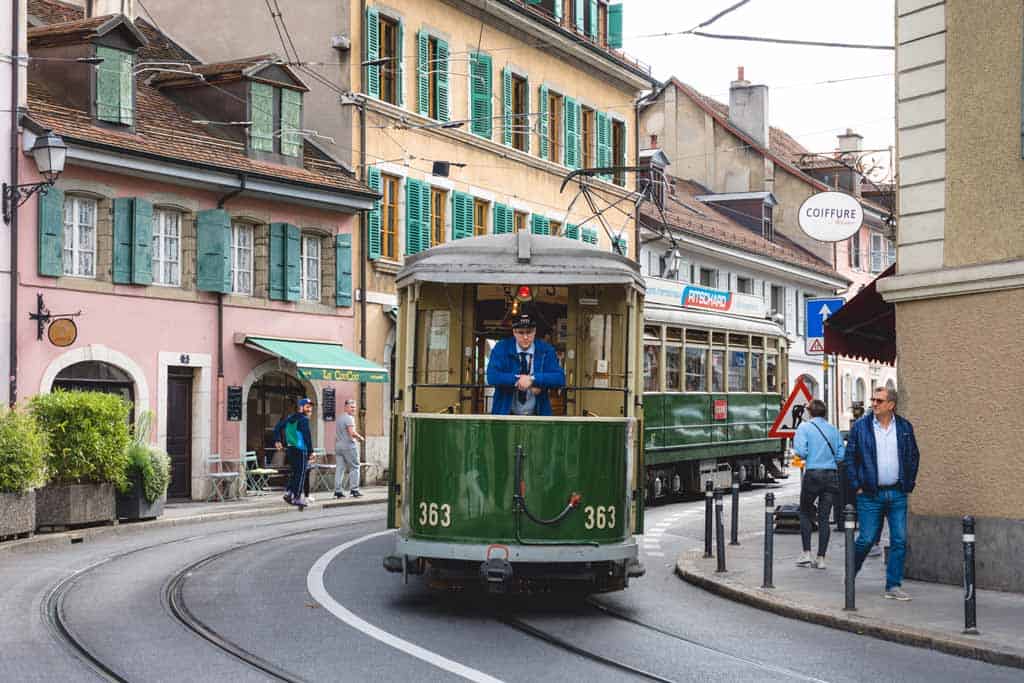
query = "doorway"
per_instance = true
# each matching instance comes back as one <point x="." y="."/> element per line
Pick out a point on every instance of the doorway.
<point x="272" y="397"/>
<point x="179" y="431"/>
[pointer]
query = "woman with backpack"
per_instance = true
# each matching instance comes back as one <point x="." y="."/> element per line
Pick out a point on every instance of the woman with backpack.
<point x="292" y="433"/>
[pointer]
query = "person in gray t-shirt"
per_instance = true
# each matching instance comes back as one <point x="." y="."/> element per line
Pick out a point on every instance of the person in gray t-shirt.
<point x="346" y="452"/>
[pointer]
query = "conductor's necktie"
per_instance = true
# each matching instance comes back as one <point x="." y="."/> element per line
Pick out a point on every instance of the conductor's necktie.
<point x="524" y="369"/>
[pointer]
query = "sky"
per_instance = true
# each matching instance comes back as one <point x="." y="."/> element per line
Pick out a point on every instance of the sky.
<point x="799" y="102"/>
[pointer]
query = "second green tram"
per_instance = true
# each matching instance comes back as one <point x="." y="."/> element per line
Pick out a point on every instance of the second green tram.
<point x="713" y="385"/>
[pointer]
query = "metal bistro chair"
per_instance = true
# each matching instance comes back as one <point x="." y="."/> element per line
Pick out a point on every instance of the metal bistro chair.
<point x="257" y="479"/>
<point x="321" y="473"/>
<point x="220" y="480"/>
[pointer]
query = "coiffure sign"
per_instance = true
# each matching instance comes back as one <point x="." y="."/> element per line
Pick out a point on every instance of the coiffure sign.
<point x="831" y="216"/>
<point x="672" y="293"/>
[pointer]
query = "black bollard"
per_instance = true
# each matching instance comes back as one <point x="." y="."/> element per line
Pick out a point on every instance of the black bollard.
<point x="970" y="599"/>
<point x="709" y="492"/>
<point x="849" y="522"/>
<point x="734" y="535"/>
<point x="719" y="533"/>
<point x="769" y="538"/>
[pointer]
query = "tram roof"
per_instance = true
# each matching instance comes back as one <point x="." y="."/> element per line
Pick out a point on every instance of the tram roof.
<point x="654" y="313"/>
<point x="520" y="257"/>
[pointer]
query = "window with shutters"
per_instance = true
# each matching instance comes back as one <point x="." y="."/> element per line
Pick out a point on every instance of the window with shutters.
<point x="479" y="217"/>
<point x="854" y="247"/>
<point x="745" y="285"/>
<point x="389" y="217"/>
<point x="115" y="85"/>
<point x="438" y="214"/>
<point x="241" y="258"/>
<point x="80" y="237"/>
<point x="390" y="69"/>
<point x="311" y="264"/>
<point x="554" y="228"/>
<point x="554" y="127"/>
<point x="878" y="252"/>
<point x="587" y="137"/>
<point x="602" y="23"/>
<point x="520" y="113"/>
<point x="432" y="90"/>
<point x="480" y="96"/>
<point x="590" y="235"/>
<point x="167" y="248"/>
<point x="767" y="222"/>
<point x="276" y="115"/>
<point x="890" y="252"/>
<point x="708" y="277"/>
<point x="519" y="221"/>
<point x="619" y="150"/>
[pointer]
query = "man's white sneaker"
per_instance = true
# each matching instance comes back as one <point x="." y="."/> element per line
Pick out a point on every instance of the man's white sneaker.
<point x="896" y="593"/>
<point x="805" y="560"/>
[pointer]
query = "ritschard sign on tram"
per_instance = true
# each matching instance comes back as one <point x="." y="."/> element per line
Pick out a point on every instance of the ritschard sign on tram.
<point x="792" y="413"/>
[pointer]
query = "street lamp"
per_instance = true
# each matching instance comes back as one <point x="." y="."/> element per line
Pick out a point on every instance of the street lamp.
<point x="673" y="259"/>
<point x="49" y="152"/>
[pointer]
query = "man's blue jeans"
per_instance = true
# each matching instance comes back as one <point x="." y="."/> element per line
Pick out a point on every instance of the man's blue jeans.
<point x="892" y="504"/>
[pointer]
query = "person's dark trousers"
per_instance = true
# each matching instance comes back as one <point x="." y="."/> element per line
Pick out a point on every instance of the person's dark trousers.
<point x="820" y="486"/>
<point x="296" y="470"/>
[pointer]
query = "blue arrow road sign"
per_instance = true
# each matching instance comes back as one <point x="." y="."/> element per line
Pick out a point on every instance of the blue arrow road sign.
<point x="817" y="311"/>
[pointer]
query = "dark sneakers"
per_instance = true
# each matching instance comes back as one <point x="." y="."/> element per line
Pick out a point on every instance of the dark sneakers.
<point x="339" y="494"/>
<point x="355" y="493"/>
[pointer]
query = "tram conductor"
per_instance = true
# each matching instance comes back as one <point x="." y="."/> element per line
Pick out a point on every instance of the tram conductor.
<point x="522" y="368"/>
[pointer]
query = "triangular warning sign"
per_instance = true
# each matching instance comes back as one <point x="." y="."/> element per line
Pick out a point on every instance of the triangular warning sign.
<point x="786" y="421"/>
<point x="816" y="346"/>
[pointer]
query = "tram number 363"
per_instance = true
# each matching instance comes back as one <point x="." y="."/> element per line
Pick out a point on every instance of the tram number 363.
<point x="599" y="517"/>
<point x="432" y="514"/>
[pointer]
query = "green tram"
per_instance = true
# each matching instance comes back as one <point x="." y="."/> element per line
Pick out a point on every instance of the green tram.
<point x="517" y="503"/>
<point x="713" y="385"/>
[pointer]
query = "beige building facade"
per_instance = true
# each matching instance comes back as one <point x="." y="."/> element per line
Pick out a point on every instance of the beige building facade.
<point x="959" y="289"/>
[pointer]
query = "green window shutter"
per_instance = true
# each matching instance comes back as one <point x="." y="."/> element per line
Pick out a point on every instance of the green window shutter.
<point x="578" y="8"/>
<point x="127" y="90"/>
<point x="590" y="235"/>
<point x="502" y="219"/>
<point x="621" y="246"/>
<point x="51" y="232"/>
<point x="373" y="218"/>
<point x="572" y="231"/>
<point x="620" y="158"/>
<point x="343" y="270"/>
<point x="142" y="242"/>
<point x="261" y="104"/>
<point x="413" y="217"/>
<point x="542" y="122"/>
<point x="557" y="4"/>
<point x="572" y="133"/>
<point x="506" y="106"/>
<point x="592" y="29"/>
<point x="425" y="215"/>
<point x="291" y="122"/>
<point x="123" y="209"/>
<point x="213" y="233"/>
<point x="278" y="264"/>
<point x="440" y="69"/>
<point x="108" y="85"/>
<point x="539" y="225"/>
<point x="604" y="142"/>
<point x="422" y="73"/>
<point x="526" y="122"/>
<point x="615" y="26"/>
<point x="293" y="269"/>
<point x="371" y="35"/>
<point x="480" y="95"/>
<point x="462" y="215"/>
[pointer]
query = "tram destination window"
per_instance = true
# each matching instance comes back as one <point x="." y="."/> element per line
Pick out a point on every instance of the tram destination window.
<point x="696" y="369"/>
<point x="717" y="370"/>
<point x="673" y="358"/>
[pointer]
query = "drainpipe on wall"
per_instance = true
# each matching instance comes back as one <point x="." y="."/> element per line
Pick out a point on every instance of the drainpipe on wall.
<point x="364" y="264"/>
<point x="15" y="155"/>
<point x="220" y="332"/>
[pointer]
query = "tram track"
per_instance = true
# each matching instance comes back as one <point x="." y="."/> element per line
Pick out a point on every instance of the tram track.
<point x="55" y="618"/>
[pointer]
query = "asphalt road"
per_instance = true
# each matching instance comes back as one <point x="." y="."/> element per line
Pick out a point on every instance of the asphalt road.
<point x="248" y="582"/>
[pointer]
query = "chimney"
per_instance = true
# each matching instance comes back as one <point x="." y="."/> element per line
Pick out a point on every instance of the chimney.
<point x="101" y="8"/>
<point x="850" y="141"/>
<point x="748" y="108"/>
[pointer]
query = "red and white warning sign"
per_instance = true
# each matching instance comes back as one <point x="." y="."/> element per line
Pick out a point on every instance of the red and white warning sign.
<point x="815" y="345"/>
<point x="792" y="413"/>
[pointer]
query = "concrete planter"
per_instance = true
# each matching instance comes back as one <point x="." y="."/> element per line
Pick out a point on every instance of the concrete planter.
<point x="133" y="505"/>
<point x="17" y="514"/>
<point x="74" y="505"/>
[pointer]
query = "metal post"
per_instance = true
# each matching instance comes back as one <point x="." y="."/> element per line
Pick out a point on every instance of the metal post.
<point x="709" y="491"/>
<point x="769" y="538"/>
<point x="970" y="598"/>
<point x="735" y="521"/>
<point x="719" y="533"/>
<point x="849" y="519"/>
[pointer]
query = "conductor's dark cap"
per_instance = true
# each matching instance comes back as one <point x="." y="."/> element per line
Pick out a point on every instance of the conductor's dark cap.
<point x="523" y="322"/>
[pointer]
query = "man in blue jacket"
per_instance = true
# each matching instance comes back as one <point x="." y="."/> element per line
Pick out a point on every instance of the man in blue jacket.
<point x="881" y="463"/>
<point x="292" y="433"/>
<point x="522" y="368"/>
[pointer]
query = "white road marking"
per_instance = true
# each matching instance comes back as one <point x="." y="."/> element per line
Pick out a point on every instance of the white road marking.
<point x="315" y="585"/>
<point x="654" y="554"/>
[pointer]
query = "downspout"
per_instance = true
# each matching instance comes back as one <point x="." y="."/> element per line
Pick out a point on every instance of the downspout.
<point x="220" y="331"/>
<point x="365" y="250"/>
<point x="15" y="155"/>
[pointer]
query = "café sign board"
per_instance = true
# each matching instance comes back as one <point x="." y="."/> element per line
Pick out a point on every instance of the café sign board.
<point x="830" y="216"/>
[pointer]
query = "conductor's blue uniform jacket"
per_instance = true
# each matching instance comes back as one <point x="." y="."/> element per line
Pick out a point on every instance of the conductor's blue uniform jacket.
<point x="503" y="368"/>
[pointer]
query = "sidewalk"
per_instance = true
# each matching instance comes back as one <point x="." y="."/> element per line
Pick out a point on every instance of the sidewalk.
<point x="933" y="619"/>
<point x="189" y="512"/>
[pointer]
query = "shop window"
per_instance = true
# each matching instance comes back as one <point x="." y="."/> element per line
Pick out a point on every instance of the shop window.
<point x="167" y="248"/>
<point x="80" y="237"/>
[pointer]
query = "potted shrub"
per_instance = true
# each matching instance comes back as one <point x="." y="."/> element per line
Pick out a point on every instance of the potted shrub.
<point x="147" y="479"/>
<point x="88" y="439"/>
<point x="22" y="452"/>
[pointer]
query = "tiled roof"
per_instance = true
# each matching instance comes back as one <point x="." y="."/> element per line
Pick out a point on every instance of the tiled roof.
<point x="224" y="71"/>
<point x="684" y="213"/>
<point x="164" y="129"/>
<point x="53" y="12"/>
<point x="67" y="31"/>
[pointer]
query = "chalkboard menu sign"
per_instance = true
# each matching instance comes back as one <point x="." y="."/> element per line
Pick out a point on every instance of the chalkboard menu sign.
<point x="328" y="402"/>
<point x="234" y="404"/>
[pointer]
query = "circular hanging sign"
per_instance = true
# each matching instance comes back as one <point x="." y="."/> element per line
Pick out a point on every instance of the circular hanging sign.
<point x="62" y="332"/>
<point x="831" y="216"/>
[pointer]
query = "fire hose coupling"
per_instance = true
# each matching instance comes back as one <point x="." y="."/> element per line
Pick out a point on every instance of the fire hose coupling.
<point x="574" y="499"/>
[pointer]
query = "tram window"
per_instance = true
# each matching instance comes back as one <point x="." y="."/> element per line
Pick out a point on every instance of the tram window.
<point x="673" y="358"/>
<point x="772" y="374"/>
<point x="718" y="337"/>
<point x="738" y="340"/>
<point x="738" y="371"/>
<point x="757" y="342"/>
<point x="699" y="336"/>
<point x="717" y="370"/>
<point x="696" y="369"/>
<point x="651" y="366"/>
<point x="599" y="348"/>
<point x="673" y="334"/>
<point x="652" y="332"/>
<point x="438" y="324"/>
<point x="755" y="372"/>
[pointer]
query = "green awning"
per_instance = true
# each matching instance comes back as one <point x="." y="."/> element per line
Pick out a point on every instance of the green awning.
<point x="321" y="360"/>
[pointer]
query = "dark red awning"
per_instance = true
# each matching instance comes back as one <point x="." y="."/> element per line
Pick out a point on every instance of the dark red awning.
<point x="865" y="327"/>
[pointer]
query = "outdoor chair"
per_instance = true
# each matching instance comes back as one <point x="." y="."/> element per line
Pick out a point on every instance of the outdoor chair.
<point x="221" y="481"/>
<point x="321" y="473"/>
<point x="257" y="478"/>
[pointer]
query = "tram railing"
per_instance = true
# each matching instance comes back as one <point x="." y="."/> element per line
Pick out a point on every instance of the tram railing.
<point x="481" y="387"/>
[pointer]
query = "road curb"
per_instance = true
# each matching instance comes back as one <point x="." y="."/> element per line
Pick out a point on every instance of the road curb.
<point x="67" y="538"/>
<point x="845" y="621"/>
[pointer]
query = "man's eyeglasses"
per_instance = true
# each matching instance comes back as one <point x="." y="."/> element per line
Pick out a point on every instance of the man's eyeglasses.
<point x="879" y="400"/>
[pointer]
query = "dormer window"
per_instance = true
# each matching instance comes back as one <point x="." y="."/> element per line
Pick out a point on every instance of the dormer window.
<point x="276" y="115"/>
<point x="115" y="85"/>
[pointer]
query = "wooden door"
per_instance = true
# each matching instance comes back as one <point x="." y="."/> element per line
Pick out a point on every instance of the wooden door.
<point x="179" y="431"/>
